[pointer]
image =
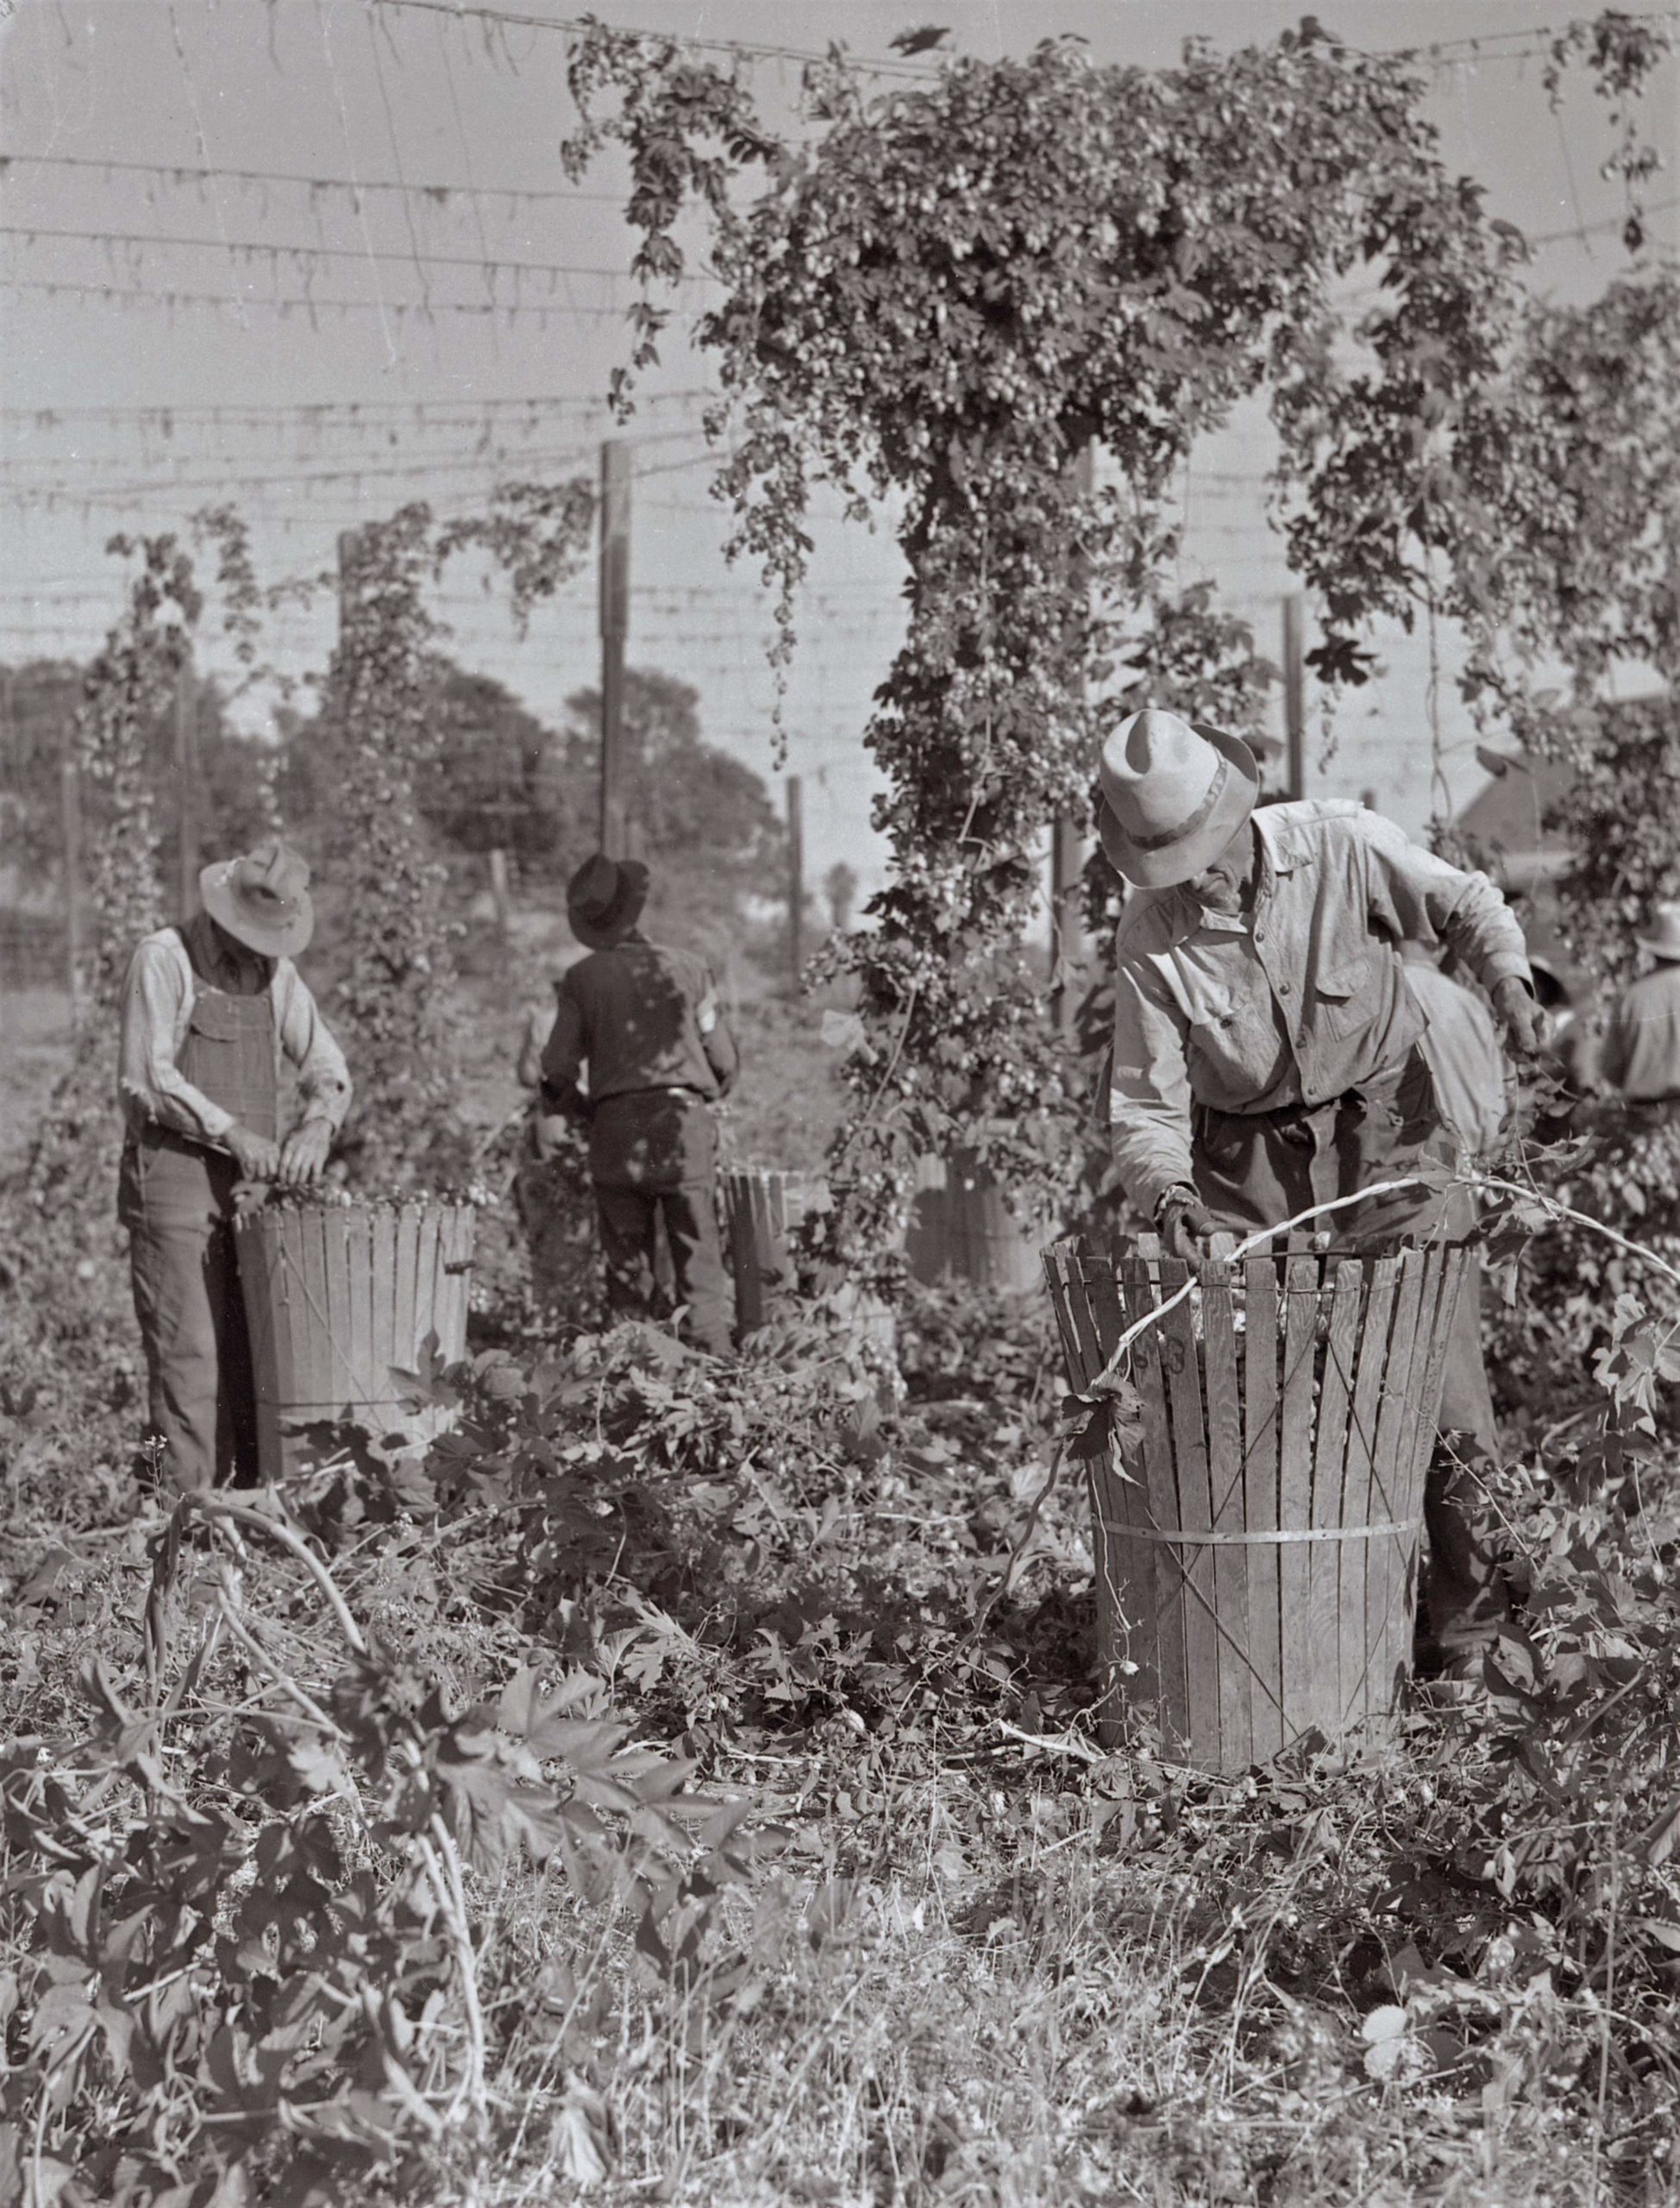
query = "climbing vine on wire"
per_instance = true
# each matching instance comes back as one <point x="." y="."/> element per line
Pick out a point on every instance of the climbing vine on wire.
<point x="128" y="687"/>
<point x="940" y="298"/>
<point x="393" y="1000"/>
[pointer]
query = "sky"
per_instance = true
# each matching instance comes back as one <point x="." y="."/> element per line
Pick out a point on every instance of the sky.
<point x="463" y="336"/>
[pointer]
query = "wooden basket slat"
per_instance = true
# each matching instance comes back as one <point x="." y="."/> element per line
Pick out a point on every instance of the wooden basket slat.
<point x="1443" y="1271"/>
<point x="1301" y="1276"/>
<point x="1120" y="1477"/>
<point x="1057" y="1262"/>
<point x="1454" y="1262"/>
<point x="1329" y="1473"/>
<point x="361" y="1231"/>
<point x="1225" y="1476"/>
<point x="407" y="1268"/>
<point x="1363" y="1413"/>
<point x="382" y="1294"/>
<point x="1087" y="1331"/>
<point x="1260" y="1350"/>
<point x="1141" y="1290"/>
<point x="1204" y="1656"/>
<point x="1391" y="1559"/>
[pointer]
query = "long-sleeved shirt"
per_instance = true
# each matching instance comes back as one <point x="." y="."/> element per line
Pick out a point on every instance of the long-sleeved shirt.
<point x="641" y="1016"/>
<point x="158" y="997"/>
<point x="1461" y="1044"/>
<point x="1294" y="1002"/>
<point x="1641" y="1055"/>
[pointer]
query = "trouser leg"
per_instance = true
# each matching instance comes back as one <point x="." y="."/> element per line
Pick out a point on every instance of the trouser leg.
<point x="697" y="1263"/>
<point x="237" y="1385"/>
<point x="629" y="1218"/>
<point x="172" y="1277"/>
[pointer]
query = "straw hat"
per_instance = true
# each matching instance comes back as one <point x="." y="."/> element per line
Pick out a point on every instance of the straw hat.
<point x="262" y="899"/>
<point x="1664" y="941"/>
<point x="1174" y="794"/>
<point x="604" y="900"/>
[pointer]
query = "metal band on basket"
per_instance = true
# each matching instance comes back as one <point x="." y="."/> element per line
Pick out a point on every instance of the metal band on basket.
<point x="1247" y="1541"/>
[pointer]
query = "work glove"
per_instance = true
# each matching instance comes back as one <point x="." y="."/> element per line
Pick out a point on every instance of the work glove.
<point x="1520" y="1016"/>
<point x="1185" y="1223"/>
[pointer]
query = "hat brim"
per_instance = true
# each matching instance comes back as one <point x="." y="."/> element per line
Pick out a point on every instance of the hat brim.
<point x="215" y="890"/>
<point x="601" y="932"/>
<point x="1191" y="853"/>
<point x="1667" y="950"/>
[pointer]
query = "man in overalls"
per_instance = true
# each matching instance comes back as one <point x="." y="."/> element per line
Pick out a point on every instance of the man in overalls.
<point x="1267" y="1050"/>
<point x="647" y="1021"/>
<point x="210" y="1008"/>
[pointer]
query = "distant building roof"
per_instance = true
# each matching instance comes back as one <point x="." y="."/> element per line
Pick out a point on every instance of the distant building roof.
<point x="1506" y="817"/>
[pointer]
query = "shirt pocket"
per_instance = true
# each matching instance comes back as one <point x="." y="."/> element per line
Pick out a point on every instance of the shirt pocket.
<point x="1344" y="995"/>
<point x="1210" y="1012"/>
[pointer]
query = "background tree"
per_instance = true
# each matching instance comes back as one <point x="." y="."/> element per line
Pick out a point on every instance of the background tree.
<point x="703" y="817"/>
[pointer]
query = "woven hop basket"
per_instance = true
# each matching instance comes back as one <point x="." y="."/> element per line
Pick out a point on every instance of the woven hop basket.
<point x="341" y="1302"/>
<point x="1258" y="1507"/>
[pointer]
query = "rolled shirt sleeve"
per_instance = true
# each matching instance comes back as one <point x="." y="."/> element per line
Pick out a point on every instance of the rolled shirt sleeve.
<point x="1421" y="898"/>
<point x="323" y="1078"/>
<point x="1148" y="1092"/>
<point x="564" y="1051"/>
<point x="150" y="1086"/>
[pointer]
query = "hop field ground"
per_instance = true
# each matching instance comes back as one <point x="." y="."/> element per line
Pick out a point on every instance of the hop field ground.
<point x="679" y="1785"/>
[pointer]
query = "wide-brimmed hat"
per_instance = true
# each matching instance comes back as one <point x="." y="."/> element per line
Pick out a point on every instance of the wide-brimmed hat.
<point x="604" y="900"/>
<point x="1174" y="794"/>
<point x="1664" y="940"/>
<point x="262" y="899"/>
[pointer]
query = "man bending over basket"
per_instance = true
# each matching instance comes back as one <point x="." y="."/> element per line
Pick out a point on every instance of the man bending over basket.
<point x="1267" y="1048"/>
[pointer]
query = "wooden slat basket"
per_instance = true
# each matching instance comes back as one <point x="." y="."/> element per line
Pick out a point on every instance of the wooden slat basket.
<point x="340" y="1302"/>
<point x="763" y="1209"/>
<point x="1257" y="1549"/>
<point x="962" y="1229"/>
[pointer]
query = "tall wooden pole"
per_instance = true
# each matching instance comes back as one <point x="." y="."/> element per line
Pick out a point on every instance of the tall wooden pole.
<point x="70" y="814"/>
<point x="1067" y="857"/>
<point x="795" y="876"/>
<point x="1295" y="695"/>
<point x="186" y="790"/>
<point x="615" y="627"/>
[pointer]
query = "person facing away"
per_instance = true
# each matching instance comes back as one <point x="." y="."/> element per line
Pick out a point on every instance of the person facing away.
<point x="210" y="1009"/>
<point x="1267" y="1050"/>
<point x="646" y="1021"/>
<point x="1641" y="1055"/>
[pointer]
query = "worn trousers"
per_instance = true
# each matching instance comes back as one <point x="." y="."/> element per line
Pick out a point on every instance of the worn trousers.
<point x="1253" y="1169"/>
<point x="200" y="1395"/>
<point x="653" y="1157"/>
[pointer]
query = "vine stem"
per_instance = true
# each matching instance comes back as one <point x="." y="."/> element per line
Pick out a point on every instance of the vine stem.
<point x="439" y="1856"/>
<point x="1579" y="1219"/>
<point x="214" y="1506"/>
<point x="1255" y="1241"/>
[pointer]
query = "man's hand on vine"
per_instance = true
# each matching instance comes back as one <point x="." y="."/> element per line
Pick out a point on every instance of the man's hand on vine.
<point x="1185" y="1223"/>
<point x="1520" y="1016"/>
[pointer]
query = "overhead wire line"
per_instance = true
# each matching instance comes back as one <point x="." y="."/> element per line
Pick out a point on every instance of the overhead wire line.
<point x="572" y="26"/>
<point x="216" y="410"/>
<point x="182" y="173"/>
<point x="310" y="302"/>
<point x="28" y="233"/>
